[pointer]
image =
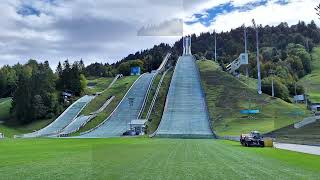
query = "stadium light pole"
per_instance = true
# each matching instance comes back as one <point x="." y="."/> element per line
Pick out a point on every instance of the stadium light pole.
<point x="272" y="84"/>
<point x="258" y="62"/>
<point x="215" y="46"/>
<point x="245" y="47"/>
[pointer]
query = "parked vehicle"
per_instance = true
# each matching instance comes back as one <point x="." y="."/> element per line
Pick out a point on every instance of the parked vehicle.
<point x="252" y="139"/>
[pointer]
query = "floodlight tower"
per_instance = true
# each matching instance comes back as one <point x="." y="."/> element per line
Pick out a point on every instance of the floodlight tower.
<point x="271" y="72"/>
<point x="245" y="46"/>
<point x="215" y="46"/>
<point x="258" y="62"/>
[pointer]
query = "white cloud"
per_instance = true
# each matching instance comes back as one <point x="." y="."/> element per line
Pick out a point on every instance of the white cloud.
<point x="270" y="14"/>
<point x="107" y="30"/>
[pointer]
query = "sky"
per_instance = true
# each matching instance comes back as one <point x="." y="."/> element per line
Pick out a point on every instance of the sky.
<point x="108" y="30"/>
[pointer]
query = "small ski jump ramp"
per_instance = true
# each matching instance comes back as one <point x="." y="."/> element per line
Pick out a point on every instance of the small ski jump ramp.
<point x="185" y="114"/>
<point x="63" y="120"/>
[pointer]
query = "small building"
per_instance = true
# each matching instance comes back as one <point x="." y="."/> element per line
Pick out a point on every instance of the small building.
<point x="135" y="71"/>
<point x="299" y="98"/>
<point x="138" y="125"/>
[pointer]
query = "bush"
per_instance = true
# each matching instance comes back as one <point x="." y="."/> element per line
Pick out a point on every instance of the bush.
<point x="280" y="90"/>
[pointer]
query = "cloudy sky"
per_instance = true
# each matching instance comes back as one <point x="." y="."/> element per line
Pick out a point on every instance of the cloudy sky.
<point x="108" y="30"/>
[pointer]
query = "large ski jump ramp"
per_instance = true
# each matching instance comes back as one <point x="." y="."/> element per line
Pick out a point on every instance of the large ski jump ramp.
<point x="117" y="122"/>
<point x="185" y="114"/>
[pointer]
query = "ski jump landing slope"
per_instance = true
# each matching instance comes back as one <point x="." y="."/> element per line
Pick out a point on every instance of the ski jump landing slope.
<point x="185" y="114"/>
<point x="117" y="122"/>
<point x="63" y="120"/>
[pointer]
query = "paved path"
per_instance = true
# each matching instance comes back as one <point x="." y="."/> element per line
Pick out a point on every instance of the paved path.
<point x="185" y="114"/>
<point x="117" y="123"/>
<point x="298" y="148"/>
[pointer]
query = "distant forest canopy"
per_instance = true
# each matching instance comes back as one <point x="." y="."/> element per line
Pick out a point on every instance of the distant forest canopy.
<point x="284" y="49"/>
<point x="36" y="89"/>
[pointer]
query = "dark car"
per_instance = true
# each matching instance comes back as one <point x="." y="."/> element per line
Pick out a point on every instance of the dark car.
<point x="130" y="133"/>
<point x="252" y="139"/>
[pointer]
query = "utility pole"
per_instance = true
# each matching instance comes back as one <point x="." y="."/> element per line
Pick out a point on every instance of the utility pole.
<point x="245" y="48"/>
<point x="272" y="84"/>
<point x="215" y="46"/>
<point x="258" y="62"/>
<point x="295" y="91"/>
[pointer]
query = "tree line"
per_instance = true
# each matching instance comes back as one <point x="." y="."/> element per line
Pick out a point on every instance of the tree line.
<point x="36" y="90"/>
<point x="285" y="50"/>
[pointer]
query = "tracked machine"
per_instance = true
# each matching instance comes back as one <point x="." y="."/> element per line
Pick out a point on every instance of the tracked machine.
<point x="252" y="139"/>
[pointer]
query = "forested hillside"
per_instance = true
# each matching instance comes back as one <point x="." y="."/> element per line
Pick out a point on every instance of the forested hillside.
<point x="284" y="49"/>
<point x="36" y="89"/>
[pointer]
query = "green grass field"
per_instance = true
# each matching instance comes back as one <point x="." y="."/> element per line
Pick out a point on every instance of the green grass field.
<point x="10" y="131"/>
<point x="97" y="84"/>
<point x="119" y="89"/>
<point x="142" y="158"/>
<point x="227" y="95"/>
<point x="311" y="82"/>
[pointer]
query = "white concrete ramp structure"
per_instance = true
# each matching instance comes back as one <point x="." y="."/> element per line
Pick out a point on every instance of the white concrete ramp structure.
<point x="75" y="125"/>
<point x="62" y="121"/>
<point x="185" y="114"/>
<point x="117" y="123"/>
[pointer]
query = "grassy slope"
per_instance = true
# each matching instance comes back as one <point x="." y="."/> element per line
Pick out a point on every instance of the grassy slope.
<point x="100" y="84"/>
<point x="311" y="82"/>
<point x="5" y="105"/>
<point x="141" y="158"/>
<point x="157" y="111"/>
<point x="309" y="134"/>
<point x="151" y="94"/>
<point x="118" y="90"/>
<point x="10" y="131"/>
<point x="226" y="96"/>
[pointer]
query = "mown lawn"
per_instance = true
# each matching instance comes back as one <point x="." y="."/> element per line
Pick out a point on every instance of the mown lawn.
<point x="227" y="95"/>
<point x="10" y="131"/>
<point x="142" y="158"/>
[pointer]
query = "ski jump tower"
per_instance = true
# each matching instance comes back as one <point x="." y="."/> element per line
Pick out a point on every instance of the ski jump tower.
<point x="241" y="60"/>
<point x="186" y="45"/>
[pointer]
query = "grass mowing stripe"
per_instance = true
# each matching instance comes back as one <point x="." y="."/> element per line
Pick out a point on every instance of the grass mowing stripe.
<point x="142" y="158"/>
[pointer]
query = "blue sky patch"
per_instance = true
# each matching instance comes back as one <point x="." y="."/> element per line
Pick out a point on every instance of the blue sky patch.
<point x="226" y="8"/>
<point x="27" y="10"/>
